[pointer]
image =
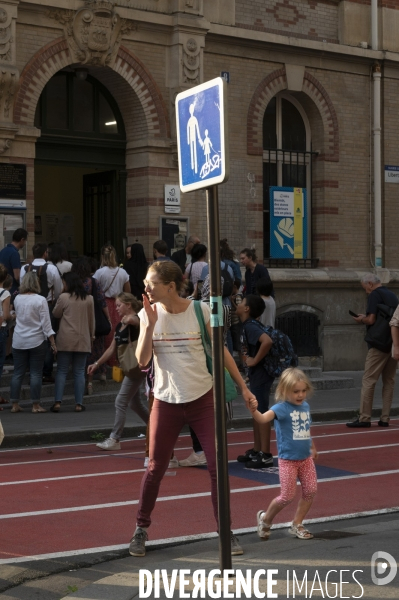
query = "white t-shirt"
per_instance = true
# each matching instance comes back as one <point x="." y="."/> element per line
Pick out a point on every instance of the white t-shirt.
<point x="64" y="267"/>
<point x="181" y="374"/>
<point x="105" y="275"/>
<point x="33" y="325"/>
<point x="3" y="295"/>
<point x="194" y="273"/>
<point x="268" y="316"/>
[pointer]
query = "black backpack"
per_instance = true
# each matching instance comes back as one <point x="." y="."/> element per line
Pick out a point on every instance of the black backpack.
<point x="281" y="355"/>
<point x="228" y="281"/>
<point x="41" y="272"/>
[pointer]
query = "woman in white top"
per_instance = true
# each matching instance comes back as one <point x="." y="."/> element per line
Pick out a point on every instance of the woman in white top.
<point x="29" y="344"/>
<point x="194" y="269"/>
<point x="114" y="280"/>
<point x="169" y="331"/>
<point x="58" y="256"/>
<point x="4" y="317"/>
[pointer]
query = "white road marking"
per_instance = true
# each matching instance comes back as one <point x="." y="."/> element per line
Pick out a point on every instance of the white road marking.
<point x="182" y="496"/>
<point x="190" y="538"/>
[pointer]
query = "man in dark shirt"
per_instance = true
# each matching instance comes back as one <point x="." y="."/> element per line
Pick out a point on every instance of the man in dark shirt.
<point x="183" y="257"/>
<point x="379" y="362"/>
<point x="253" y="270"/>
<point x="10" y="258"/>
<point x="160" y="250"/>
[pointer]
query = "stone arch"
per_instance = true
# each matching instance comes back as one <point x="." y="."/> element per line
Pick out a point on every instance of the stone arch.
<point x="56" y="56"/>
<point x="268" y="88"/>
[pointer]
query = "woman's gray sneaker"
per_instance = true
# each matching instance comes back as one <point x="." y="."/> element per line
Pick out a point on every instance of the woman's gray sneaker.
<point x="137" y="543"/>
<point x="236" y="549"/>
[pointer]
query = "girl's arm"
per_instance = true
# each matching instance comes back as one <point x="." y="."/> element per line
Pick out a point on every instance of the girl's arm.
<point x="106" y="356"/>
<point x="266" y="417"/>
<point x="313" y="451"/>
<point x="6" y="309"/>
<point x="266" y="343"/>
<point x="131" y="320"/>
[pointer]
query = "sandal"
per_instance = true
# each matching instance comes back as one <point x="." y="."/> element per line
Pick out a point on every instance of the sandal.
<point x="39" y="409"/>
<point x="80" y="408"/>
<point x="263" y="528"/>
<point x="56" y="407"/>
<point x="300" y="532"/>
<point x="16" y="409"/>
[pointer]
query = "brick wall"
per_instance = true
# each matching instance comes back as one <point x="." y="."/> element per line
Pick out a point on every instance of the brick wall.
<point x="308" y="19"/>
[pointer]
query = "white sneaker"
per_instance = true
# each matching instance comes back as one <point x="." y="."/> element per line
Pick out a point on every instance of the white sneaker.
<point x="146" y="461"/>
<point x="194" y="460"/>
<point x="173" y="463"/>
<point x="109" y="444"/>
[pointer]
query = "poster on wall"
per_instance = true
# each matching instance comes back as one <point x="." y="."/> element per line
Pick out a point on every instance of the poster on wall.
<point x="288" y="222"/>
<point x="55" y="227"/>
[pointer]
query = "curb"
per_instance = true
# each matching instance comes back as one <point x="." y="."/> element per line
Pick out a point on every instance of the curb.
<point x="22" y="440"/>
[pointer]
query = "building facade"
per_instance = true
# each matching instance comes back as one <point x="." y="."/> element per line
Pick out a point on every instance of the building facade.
<point x="87" y="91"/>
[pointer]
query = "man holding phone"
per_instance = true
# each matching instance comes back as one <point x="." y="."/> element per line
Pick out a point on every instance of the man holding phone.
<point x="379" y="362"/>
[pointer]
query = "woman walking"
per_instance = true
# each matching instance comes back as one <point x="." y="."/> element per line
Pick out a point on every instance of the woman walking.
<point x="83" y="268"/>
<point x="29" y="344"/>
<point x="75" y="309"/>
<point x="114" y="280"/>
<point x="127" y="307"/>
<point x="136" y="266"/>
<point x="170" y="331"/>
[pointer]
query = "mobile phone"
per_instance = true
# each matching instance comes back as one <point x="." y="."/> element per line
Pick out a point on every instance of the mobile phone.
<point x="352" y="314"/>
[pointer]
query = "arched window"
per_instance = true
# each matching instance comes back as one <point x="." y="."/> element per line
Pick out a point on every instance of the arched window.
<point x="72" y="106"/>
<point x="286" y="152"/>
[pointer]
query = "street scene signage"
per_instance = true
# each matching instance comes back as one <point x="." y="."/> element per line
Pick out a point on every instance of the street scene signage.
<point x="391" y="174"/>
<point x="201" y="135"/>
<point x="288" y="222"/>
<point x="172" y="199"/>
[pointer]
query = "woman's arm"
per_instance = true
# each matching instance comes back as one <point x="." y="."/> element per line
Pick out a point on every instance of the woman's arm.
<point x="313" y="451"/>
<point x="231" y="366"/>
<point x="58" y="308"/>
<point x="144" y="344"/>
<point x="44" y="316"/>
<point x="104" y="358"/>
<point x="6" y="309"/>
<point x="126" y="287"/>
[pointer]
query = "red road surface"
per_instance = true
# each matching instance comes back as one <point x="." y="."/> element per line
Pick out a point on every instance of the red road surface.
<point x="77" y="498"/>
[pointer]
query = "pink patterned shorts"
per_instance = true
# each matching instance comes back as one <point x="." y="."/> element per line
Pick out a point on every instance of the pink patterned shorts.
<point x="290" y="471"/>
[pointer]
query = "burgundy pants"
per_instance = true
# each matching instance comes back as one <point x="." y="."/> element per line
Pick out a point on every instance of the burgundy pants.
<point x="166" y="422"/>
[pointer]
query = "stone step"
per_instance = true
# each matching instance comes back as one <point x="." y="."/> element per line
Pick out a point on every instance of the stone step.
<point x="69" y="400"/>
<point x="310" y="361"/>
<point x="48" y="389"/>
<point x="312" y="372"/>
<point x="328" y="383"/>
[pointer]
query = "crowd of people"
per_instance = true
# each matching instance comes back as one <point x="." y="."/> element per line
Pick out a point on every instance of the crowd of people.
<point x="150" y="320"/>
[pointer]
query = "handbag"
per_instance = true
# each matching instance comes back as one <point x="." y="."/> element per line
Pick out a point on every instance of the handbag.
<point x="229" y="385"/>
<point x="103" y="326"/>
<point x="117" y="374"/>
<point x="127" y="357"/>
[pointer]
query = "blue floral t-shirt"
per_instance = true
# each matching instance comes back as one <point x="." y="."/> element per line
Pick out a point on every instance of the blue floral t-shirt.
<point x="292" y="425"/>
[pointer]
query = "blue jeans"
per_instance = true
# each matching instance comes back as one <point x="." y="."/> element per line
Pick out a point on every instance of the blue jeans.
<point x="3" y="347"/>
<point x="129" y="395"/>
<point x="78" y="361"/>
<point x="34" y="358"/>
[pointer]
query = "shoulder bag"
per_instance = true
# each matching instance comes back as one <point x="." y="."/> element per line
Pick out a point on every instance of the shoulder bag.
<point x="127" y="357"/>
<point x="230" y="388"/>
<point x="379" y="333"/>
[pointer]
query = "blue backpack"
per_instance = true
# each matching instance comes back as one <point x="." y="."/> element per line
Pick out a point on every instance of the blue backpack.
<point x="281" y="355"/>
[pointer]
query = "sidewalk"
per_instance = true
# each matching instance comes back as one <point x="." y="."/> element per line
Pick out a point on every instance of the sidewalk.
<point x="27" y="429"/>
<point x="343" y="548"/>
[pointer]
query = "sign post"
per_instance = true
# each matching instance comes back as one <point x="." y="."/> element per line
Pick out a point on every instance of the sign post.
<point x="203" y="163"/>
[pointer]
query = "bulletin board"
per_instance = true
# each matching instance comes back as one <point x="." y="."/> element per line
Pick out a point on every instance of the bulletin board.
<point x="174" y="231"/>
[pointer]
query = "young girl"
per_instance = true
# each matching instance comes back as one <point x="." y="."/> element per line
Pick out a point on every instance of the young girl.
<point x="296" y="451"/>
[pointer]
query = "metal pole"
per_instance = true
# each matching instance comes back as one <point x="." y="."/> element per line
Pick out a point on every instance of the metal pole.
<point x="377" y="165"/>
<point x="218" y="379"/>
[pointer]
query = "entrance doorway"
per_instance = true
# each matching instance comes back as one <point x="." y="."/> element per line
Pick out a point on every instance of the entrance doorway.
<point x="80" y="177"/>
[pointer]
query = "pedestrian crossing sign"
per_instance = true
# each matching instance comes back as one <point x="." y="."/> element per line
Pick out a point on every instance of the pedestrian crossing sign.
<point x="202" y="135"/>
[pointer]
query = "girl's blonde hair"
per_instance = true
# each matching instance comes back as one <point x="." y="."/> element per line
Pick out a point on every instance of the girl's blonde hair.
<point x="168" y="271"/>
<point x="127" y="298"/>
<point x="108" y="257"/>
<point x="287" y="382"/>
<point x="30" y="284"/>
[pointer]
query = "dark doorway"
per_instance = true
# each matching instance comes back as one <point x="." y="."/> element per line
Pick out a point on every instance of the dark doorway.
<point x="303" y="330"/>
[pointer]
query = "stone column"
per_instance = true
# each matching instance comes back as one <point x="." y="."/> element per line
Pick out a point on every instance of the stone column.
<point x="9" y="74"/>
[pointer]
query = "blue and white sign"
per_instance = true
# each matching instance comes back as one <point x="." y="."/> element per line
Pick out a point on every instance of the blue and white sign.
<point x="288" y="222"/>
<point x="201" y="131"/>
<point x="391" y="174"/>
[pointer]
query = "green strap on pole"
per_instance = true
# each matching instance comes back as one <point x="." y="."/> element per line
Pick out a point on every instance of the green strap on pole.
<point x="216" y="306"/>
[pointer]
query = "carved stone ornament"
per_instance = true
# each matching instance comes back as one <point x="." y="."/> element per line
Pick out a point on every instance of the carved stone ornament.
<point x="6" y="38"/>
<point x="93" y="32"/>
<point x="9" y="77"/>
<point x="191" y="62"/>
<point x="5" y="144"/>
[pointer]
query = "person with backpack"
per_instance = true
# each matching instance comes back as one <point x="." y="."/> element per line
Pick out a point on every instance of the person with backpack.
<point x="379" y="361"/>
<point x="253" y="270"/>
<point x="50" y="288"/>
<point x="227" y="275"/>
<point x="256" y="345"/>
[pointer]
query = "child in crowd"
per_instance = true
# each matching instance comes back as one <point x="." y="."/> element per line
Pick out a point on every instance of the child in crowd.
<point x="255" y="346"/>
<point x="264" y="288"/>
<point x="296" y="451"/>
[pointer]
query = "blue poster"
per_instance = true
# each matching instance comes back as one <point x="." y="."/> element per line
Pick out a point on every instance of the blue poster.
<point x="288" y="222"/>
<point x="200" y="136"/>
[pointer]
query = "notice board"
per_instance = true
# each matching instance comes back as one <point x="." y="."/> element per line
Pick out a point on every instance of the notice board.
<point x="174" y="231"/>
